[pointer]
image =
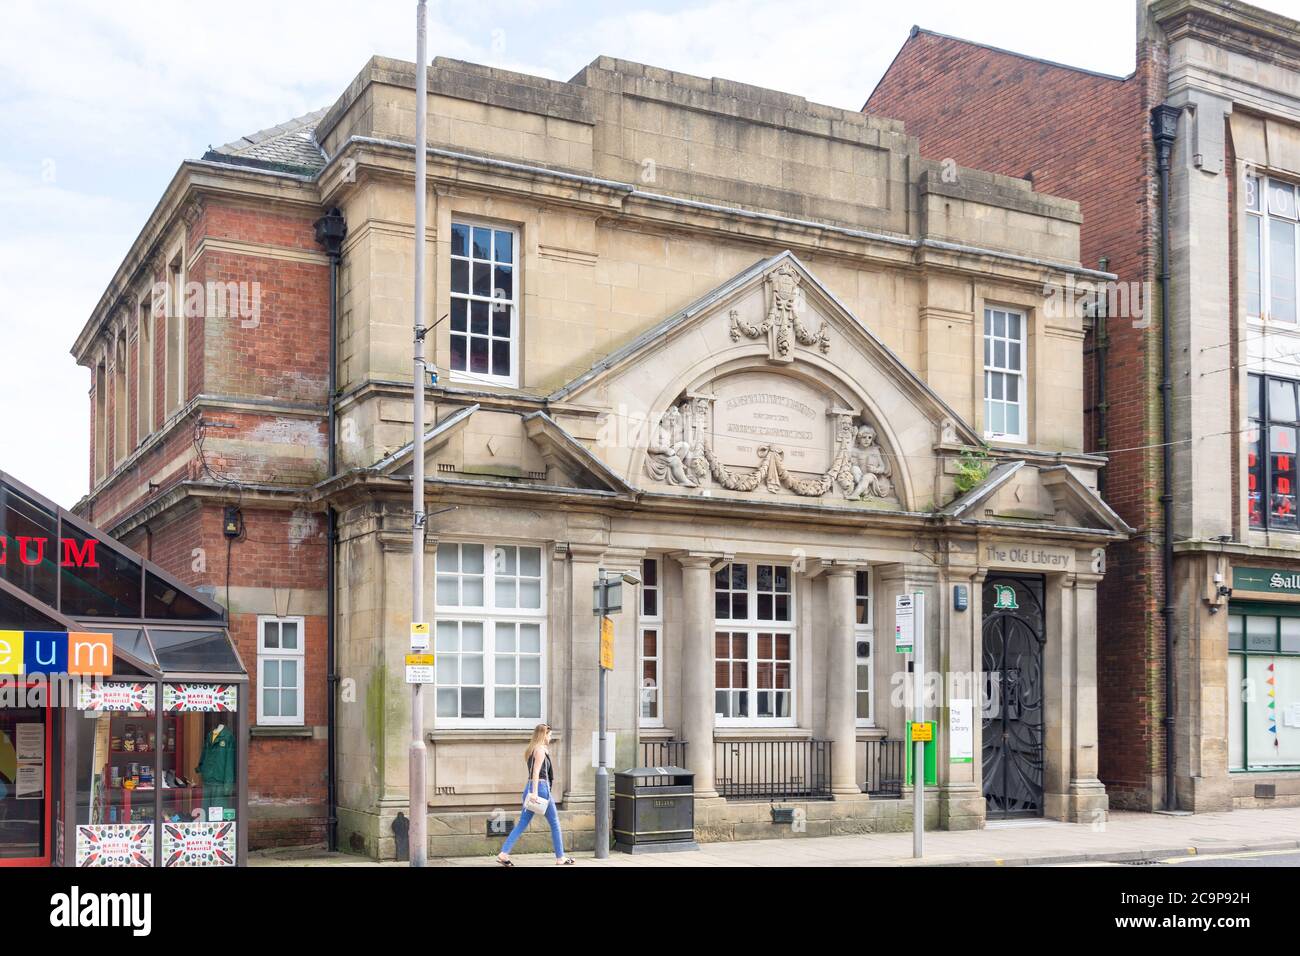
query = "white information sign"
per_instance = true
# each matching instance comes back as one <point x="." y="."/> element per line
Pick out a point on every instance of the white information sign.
<point x="904" y="623"/>
<point x="961" y="731"/>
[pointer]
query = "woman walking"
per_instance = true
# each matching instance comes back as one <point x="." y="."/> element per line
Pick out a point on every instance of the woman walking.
<point x="537" y="797"/>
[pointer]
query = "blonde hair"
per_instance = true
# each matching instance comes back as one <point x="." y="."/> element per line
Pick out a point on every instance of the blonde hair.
<point x="537" y="740"/>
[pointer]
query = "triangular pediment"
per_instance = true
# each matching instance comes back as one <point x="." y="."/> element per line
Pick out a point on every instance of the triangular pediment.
<point x="1019" y="491"/>
<point x="476" y="445"/>
<point x="770" y="386"/>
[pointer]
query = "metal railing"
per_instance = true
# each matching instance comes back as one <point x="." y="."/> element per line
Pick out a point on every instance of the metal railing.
<point x="884" y="769"/>
<point x="663" y="753"/>
<point x="773" y="769"/>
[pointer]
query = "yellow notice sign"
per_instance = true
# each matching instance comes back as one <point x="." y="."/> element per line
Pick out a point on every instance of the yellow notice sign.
<point x="922" y="733"/>
<point x="419" y="668"/>
<point x="607" y="643"/>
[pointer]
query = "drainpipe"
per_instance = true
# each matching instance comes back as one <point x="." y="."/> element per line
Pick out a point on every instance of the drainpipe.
<point x="1100" y="350"/>
<point x="330" y="232"/>
<point x="1164" y="128"/>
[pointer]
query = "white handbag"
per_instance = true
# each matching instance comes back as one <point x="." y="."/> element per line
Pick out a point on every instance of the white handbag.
<point x="536" y="803"/>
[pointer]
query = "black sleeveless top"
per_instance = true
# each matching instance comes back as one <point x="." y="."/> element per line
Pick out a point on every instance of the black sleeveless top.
<point x="547" y="773"/>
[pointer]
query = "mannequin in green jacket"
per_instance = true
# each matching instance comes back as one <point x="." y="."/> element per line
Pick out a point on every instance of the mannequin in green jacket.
<point x="217" y="766"/>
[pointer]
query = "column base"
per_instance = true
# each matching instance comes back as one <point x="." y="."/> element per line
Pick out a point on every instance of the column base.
<point x="961" y="807"/>
<point x="1086" y="802"/>
<point x="842" y="793"/>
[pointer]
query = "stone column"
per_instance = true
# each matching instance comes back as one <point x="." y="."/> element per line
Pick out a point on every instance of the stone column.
<point x="581" y="704"/>
<point x="1088" y="800"/>
<point x="697" y="669"/>
<point x="841" y="681"/>
<point x="961" y="798"/>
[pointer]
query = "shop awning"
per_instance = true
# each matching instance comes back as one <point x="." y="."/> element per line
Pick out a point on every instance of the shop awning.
<point x="59" y="573"/>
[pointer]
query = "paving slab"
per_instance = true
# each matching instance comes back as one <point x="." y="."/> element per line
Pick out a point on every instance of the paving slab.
<point x="1124" y="837"/>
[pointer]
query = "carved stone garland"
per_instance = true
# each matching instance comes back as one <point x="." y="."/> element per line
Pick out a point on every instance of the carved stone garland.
<point x="782" y="319"/>
<point x="681" y="453"/>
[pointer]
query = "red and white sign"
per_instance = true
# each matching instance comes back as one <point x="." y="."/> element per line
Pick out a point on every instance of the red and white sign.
<point x="221" y="698"/>
<point x="116" y="695"/>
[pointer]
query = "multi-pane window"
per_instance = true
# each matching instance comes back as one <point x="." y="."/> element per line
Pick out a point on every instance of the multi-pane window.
<point x="1271" y="248"/>
<point x="651" y="645"/>
<point x="490" y="610"/>
<point x="754" y="645"/>
<point x="484" y="302"/>
<point x="1263" y="689"/>
<point x="1271" y="452"/>
<point x="1004" y="374"/>
<point x="280" y="670"/>
<point x="863" y="639"/>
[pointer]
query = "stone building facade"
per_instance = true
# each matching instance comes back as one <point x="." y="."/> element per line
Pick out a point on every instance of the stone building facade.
<point x="758" y="351"/>
<point x="1229" y="70"/>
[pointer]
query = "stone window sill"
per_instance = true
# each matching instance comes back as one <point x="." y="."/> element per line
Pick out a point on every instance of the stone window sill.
<point x="274" y="731"/>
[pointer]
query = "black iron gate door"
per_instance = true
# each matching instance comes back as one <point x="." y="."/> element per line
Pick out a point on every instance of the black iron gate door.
<point x="1013" y="696"/>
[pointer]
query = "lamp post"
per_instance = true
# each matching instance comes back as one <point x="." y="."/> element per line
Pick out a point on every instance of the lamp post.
<point x="608" y="598"/>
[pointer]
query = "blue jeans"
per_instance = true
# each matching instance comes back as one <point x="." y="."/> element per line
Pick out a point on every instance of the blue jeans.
<point x="526" y="817"/>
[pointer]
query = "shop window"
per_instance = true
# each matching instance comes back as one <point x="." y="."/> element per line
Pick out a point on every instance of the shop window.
<point x="490" y="635"/>
<point x="29" y="534"/>
<point x="98" y="580"/>
<point x="165" y="600"/>
<point x="194" y="651"/>
<point x="1263" y="690"/>
<point x="863" y="639"/>
<point x="1004" y="374"/>
<point x="1271" y="249"/>
<point x="484" y="303"/>
<point x="26" y="767"/>
<point x="651" y="649"/>
<point x="1271" y="474"/>
<point x="754" y="645"/>
<point x="280" y="664"/>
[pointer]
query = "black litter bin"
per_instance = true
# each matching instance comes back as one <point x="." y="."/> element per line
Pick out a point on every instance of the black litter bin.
<point x="654" y="810"/>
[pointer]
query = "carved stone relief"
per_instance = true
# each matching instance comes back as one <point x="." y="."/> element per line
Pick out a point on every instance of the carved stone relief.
<point x="784" y="304"/>
<point x="682" y="451"/>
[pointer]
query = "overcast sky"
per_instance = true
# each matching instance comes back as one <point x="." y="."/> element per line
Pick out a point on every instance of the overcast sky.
<point x="99" y="102"/>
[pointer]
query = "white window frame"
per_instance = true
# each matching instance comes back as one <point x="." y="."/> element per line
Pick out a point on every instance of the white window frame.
<point x="753" y="626"/>
<point x="864" y="631"/>
<point x="490" y="616"/>
<point x="265" y="654"/>
<point x="1263" y="217"/>
<point x="990" y="340"/>
<point x="651" y="623"/>
<point x="516" y="324"/>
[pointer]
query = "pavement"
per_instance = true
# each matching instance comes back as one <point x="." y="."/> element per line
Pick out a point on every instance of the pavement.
<point x="1124" y="838"/>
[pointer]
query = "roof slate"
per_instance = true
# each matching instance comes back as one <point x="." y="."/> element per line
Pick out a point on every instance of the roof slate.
<point x="290" y="146"/>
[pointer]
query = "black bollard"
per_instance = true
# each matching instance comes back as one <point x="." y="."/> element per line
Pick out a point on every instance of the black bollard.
<point x="402" y="836"/>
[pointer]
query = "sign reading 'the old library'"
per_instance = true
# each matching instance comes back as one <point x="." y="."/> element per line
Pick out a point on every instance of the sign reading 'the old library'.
<point x="1030" y="556"/>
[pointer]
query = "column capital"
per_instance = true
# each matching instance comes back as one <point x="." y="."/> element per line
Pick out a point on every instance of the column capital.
<point x="585" y="553"/>
<point x="697" y="559"/>
<point x="836" y="569"/>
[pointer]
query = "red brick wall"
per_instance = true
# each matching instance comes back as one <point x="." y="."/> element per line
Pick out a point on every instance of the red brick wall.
<point x="279" y="356"/>
<point x="1083" y="137"/>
